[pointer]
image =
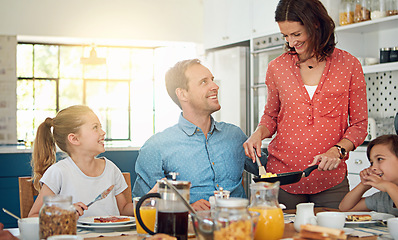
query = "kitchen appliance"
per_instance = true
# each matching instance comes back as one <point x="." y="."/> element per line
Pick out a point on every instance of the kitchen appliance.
<point x="264" y="50"/>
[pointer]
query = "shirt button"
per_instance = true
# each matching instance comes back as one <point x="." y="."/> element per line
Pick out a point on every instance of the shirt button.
<point x="217" y="184"/>
<point x="213" y="163"/>
<point x="197" y="130"/>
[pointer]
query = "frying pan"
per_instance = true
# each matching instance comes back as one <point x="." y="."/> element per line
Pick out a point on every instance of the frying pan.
<point x="287" y="178"/>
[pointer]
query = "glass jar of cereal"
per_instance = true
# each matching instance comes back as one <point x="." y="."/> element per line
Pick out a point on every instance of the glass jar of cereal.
<point x="362" y="10"/>
<point x="57" y="216"/>
<point x="233" y="219"/>
<point x="346" y="12"/>
<point x="378" y="9"/>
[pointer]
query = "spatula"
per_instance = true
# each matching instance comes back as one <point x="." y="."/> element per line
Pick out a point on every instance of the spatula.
<point x="261" y="168"/>
<point x="103" y="195"/>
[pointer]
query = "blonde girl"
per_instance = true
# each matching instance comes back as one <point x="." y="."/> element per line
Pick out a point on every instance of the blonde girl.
<point x="77" y="131"/>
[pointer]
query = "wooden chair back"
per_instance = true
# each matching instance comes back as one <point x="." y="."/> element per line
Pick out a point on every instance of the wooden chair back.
<point x="27" y="195"/>
<point x="127" y="192"/>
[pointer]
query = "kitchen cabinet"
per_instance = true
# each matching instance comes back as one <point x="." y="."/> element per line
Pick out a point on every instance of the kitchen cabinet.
<point x="263" y="17"/>
<point x="364" y="39"/>
<point x="357" y="162"/>
<point x="226" y="22"/>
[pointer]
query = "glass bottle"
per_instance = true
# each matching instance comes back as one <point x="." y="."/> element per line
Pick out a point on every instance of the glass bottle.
<point x="233" y="219"/>
<point x="346" y="12"/>
<point x="361" y="10"/>
<point x="57" y="216"/>
<point x="264" y="199"/>
<point x="378" y="9"/>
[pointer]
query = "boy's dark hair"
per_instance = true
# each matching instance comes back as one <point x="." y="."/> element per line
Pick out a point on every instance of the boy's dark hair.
<point x="391" y="140"/>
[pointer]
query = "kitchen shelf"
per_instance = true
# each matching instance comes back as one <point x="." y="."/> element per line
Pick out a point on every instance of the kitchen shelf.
<point x="383" y="67"/>
<point x="370" y="26"/>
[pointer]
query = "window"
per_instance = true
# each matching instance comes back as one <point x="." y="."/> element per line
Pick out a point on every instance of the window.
<point x="125" y="92"/>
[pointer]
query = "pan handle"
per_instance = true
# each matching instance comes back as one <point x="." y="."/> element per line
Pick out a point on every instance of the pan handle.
<point x="308" y="170"/>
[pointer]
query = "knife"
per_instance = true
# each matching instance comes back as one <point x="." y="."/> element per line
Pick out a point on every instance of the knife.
<point x="103" y="195"/>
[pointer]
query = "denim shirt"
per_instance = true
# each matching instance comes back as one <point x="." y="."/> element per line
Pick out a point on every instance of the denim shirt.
<point x="208" y="164"/>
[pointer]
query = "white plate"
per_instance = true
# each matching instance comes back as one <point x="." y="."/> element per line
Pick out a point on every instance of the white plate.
<point x="376" y="216"/>
<point x="90" y="221"/>
<point x="106" y="226"/>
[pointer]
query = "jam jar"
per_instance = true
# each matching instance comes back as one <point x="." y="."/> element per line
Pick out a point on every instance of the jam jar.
<point x="57" y="216"/>
<point x="233" y="219"/>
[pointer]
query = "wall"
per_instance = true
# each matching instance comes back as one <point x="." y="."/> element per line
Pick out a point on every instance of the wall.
<point x="15" y="165"/>
<point x="158" y="20"/>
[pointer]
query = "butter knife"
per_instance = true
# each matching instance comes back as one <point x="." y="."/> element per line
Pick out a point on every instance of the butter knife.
<point x="103" y="195"/>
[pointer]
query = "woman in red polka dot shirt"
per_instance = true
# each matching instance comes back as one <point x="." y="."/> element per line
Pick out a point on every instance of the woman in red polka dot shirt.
<point x="316" y="105"/>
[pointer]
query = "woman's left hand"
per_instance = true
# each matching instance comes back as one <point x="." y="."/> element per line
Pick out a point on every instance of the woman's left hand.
<point x="327" y="161"/>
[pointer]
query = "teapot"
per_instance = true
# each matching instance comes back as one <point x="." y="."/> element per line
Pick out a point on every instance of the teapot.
<point x="172" y="214"/>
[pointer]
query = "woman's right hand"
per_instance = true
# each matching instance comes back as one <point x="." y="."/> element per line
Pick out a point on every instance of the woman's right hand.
<point x="80" y="207"/>
<point x="253" y="144"/>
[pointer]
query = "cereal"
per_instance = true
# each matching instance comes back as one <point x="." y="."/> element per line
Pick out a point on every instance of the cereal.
<point x="56" y="221"/>
<point x="346" y="18"/>
<point x="241" y="230"/>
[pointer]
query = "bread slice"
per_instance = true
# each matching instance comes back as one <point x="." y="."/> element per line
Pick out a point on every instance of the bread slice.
<point x="315" y="232"/>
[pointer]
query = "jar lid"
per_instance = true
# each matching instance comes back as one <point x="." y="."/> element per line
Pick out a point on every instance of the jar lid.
<point x="232" y="202"/>
<point x="395" y="48"/>
<point x="385" y="49"/>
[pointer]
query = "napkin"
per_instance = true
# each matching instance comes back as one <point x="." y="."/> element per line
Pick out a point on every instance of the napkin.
<point x="367" y="232"/>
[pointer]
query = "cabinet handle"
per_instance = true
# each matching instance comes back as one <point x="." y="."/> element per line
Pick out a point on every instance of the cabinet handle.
<point x="358" y="161"/>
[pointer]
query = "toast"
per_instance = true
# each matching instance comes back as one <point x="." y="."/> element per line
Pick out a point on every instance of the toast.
<point x="111" y="219"/>
<point x="358" y="218"/>
<point x="315" y="232"/>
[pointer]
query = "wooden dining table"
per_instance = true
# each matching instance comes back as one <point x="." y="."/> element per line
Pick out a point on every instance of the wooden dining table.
<point x="289" y="231"/>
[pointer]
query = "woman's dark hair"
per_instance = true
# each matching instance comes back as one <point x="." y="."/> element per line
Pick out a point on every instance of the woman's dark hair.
<point x="318" y="24"/>
<point x="391" y="140"/>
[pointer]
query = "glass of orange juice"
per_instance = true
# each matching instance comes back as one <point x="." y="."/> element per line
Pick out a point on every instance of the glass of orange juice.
<point x="148" y="215"/>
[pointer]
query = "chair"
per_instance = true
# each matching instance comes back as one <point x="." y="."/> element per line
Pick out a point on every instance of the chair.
<point x="27" y="195"/>
<point x="127" y="192"/>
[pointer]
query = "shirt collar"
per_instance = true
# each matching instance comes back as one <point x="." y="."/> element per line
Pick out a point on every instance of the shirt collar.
<point x="190" y="128"/>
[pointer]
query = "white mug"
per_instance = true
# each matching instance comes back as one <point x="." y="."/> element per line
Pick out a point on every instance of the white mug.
<point x="29" y="228"/>
<point x="331" y="219"/>
<point x="392" y="225"/>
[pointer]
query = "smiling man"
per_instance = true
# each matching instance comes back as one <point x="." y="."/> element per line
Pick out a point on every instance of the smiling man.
<point x="207" y="153"/>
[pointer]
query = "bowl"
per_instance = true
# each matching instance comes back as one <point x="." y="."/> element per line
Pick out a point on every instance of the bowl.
<point x="371" y="61"/>
<point x="29" y="228"/>
<point x="392" y="225"/>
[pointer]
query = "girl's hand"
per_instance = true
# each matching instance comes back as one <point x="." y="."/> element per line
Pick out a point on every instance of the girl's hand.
<point x="327" y="161"/>
<point x="80" y="207"/>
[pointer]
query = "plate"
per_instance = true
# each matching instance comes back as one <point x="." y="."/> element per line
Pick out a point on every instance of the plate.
<point x="376" y="216"/>
<point x="90" y="221"/>
<point x="128" y="225"/>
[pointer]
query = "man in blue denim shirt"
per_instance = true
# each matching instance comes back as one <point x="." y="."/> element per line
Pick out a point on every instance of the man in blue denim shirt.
<point x="207" y="153"/>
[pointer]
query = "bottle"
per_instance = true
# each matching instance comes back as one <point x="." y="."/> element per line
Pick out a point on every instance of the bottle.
<point x="378" y="9"/>
<point x="361" y="10"/>
<point x="233" y="219"/>
<point x="264" y="199"/>
<point x="57" y="216"/>
<point x="346" y="12"/>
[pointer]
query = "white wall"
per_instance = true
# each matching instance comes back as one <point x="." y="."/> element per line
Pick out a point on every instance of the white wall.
<point x="158" y="20"/>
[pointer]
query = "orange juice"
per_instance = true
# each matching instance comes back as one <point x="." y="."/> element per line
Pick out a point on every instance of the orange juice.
<point x="270" y="225"/>
<point x="148" y="215"/>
